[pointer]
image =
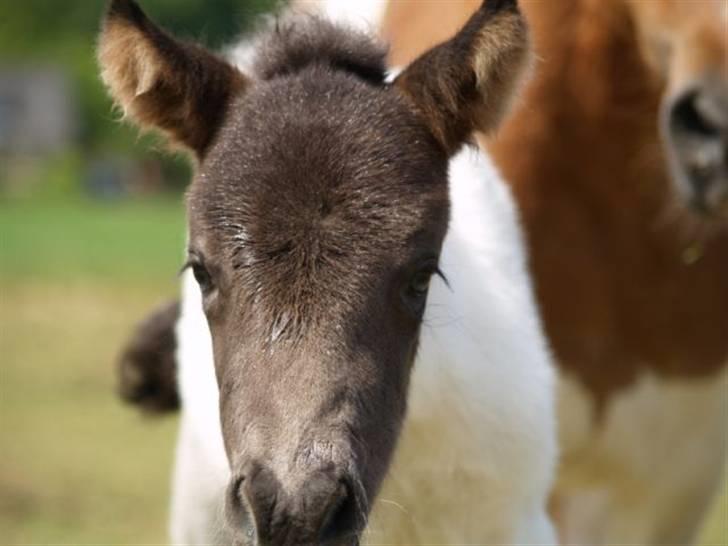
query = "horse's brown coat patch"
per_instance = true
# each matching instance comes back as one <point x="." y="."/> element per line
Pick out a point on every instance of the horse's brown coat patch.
<point x="626" y="282"/>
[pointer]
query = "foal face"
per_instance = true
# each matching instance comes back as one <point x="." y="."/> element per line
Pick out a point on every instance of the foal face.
<point x="315" y="226"/>
<point x="685" y="42"/>
<point x="316" y="219"/>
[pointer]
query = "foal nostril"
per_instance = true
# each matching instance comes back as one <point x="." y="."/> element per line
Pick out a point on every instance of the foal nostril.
<point x="340" y="517"/>
<point x="321" y="510"/>
<point x="238" y="514"/>
<point x="251" y="503"/>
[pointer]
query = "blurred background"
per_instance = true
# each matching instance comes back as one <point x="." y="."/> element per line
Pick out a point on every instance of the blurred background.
<point x="91" y="235"/>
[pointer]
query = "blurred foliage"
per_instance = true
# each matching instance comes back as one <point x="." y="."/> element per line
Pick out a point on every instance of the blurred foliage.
<point x="47" y="32"/>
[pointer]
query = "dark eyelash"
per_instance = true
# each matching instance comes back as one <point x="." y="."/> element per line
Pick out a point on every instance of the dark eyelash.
<point x="185" y="266"/>
<point x="437" y="271"/>
<point x="433" y="268"/>
<point x="192" y="260"/>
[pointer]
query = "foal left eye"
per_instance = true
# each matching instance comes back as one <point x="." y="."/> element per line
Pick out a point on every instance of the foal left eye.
<point x="420" y="283"/>
<point x="415" y="291"/>
<point x="202" y="276"/>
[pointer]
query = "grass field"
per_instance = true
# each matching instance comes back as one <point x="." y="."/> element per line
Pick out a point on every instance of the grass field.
<point x="76" y="466"/>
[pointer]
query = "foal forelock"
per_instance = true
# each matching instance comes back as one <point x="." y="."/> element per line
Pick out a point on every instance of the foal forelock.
<point x="295" y="41"/>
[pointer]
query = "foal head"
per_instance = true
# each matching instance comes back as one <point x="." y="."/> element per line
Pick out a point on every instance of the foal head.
<point x="316" y="219"/>
<point x="685" y="43"/>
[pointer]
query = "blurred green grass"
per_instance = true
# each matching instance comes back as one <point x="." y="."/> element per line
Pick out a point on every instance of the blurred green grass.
<point x="76" y="466"/>
<point x="136" y="241"/>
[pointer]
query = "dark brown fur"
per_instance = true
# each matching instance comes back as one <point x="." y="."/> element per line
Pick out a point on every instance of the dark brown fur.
<point x="449" y="104"/>
<point x="147" y="365"/>
<point x="495" y="62"/>
<point x="319" y="205"/>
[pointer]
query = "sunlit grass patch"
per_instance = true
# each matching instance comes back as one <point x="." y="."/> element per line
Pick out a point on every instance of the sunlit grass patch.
<point x="76" y="466"/>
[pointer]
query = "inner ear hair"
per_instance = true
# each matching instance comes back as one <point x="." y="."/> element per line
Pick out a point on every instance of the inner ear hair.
<point x="467" y="83"/>
<point x="177" y="87"/>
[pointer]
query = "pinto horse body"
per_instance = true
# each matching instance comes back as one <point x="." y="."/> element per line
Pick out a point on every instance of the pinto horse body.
<point x="619" y="134"/>
<point x="475" y="459"/>
<point x="348" y="259"/>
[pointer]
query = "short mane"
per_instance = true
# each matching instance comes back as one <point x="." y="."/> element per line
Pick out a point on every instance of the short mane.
<point x="296" y="41"/>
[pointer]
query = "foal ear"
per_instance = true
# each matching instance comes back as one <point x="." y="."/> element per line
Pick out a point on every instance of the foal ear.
<point x="466" y="83"/>
<point x="179" y="88"/>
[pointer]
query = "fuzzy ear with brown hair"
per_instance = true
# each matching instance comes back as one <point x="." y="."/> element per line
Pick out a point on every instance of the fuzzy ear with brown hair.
<point x="179" y="88"/>
<point x="466" y="84"/>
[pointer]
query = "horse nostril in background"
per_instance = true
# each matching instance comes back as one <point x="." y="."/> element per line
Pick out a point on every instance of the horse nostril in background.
<point x="687" y="118"/>
<point x="695" y="131"/>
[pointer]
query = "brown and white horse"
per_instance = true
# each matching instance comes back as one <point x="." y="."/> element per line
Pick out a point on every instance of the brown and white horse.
<point x="328" y="208"/>
<point x="617" y="154"/>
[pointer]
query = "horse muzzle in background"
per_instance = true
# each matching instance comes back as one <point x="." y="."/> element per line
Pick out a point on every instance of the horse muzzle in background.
<point x="695" y="133"/>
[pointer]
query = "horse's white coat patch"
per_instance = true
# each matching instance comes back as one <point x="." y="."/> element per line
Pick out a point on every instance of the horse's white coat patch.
<point x="626" y="476"/>
<point x="479" y="441"/>
<point x="364" y="14"/>
<point x="201" y="468"/>
<point x="475" y="461"/>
